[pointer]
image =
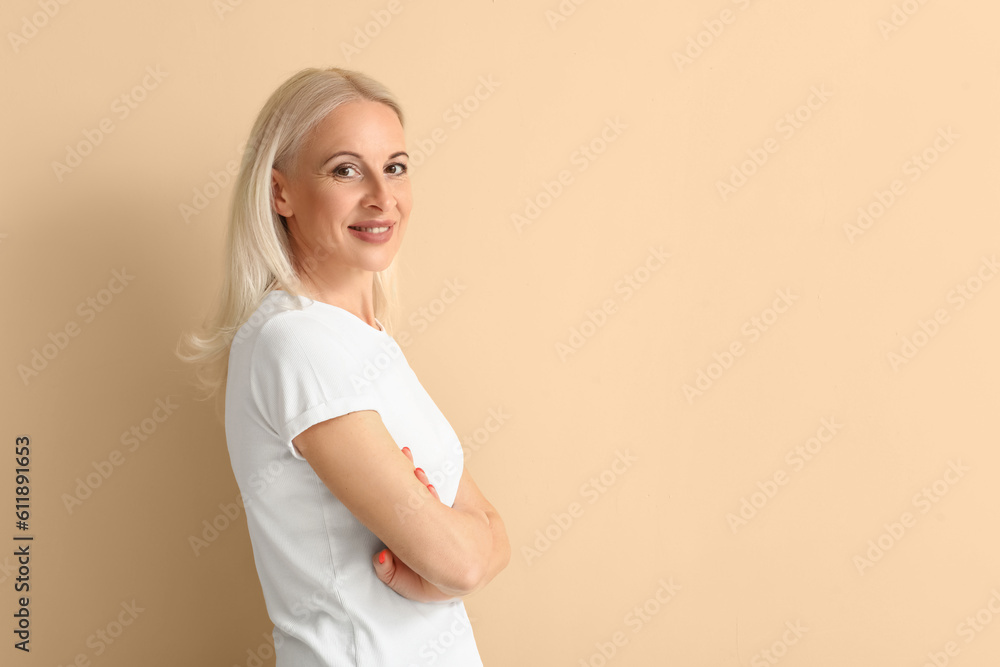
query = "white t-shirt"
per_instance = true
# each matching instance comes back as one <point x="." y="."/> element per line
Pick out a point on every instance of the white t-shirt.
<point x="290" y="369"/>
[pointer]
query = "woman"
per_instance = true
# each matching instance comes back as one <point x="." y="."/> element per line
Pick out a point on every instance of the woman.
<point x="362" y="559"/>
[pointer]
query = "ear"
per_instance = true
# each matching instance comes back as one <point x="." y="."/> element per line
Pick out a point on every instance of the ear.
<point x="280" y="193"/>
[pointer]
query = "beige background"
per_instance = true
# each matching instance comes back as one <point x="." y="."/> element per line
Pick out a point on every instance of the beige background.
<point x="894" y="79"/>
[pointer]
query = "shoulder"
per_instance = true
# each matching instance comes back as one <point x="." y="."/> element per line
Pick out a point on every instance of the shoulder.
<point x="308" y="345"/>
<point x="272" y="305"/>
<point x="300" y="331"/>
<point x="279" y="320"/>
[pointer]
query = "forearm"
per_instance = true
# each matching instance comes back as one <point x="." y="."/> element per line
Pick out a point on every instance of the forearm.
<point x="409" y="583"/>
<point x="461" y="547"/>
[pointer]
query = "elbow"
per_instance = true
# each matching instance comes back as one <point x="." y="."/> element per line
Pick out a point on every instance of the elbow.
<point x="467" y="573"/>
<point x="502" y="545"/>
<point x="505" y="557"/>
<point x="468" y="577"/>
<point x="477" y="570"/>
<point x="476" y="560"/>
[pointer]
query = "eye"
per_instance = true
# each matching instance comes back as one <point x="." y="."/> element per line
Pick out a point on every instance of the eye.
<point x="399" y="167"/>
<point x="343" y="170"/>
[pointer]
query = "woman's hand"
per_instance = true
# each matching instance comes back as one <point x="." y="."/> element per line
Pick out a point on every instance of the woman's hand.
<point x="421" y="475"/>
<point x="396" y="574"/>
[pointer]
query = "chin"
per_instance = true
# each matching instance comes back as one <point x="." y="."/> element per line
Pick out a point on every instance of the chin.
<point x="379" y="263"/>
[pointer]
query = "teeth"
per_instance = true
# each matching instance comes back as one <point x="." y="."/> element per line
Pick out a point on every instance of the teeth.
<point x="373" y="230"/>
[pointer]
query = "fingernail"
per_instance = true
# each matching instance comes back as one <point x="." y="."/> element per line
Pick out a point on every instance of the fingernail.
<point x="406" y="449"/>
<point x="418" y="470"/>
<point x="431" y="487"/>
<point x="381" y="556"/>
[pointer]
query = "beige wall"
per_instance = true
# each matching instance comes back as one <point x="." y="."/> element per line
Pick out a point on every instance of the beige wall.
<point x="826" y="491"/>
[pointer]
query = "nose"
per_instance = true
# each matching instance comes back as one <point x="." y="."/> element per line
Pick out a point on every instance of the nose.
<point x="379" y="195"/>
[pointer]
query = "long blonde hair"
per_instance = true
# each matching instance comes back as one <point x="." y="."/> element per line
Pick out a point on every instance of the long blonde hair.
<point x="257" y="249"/>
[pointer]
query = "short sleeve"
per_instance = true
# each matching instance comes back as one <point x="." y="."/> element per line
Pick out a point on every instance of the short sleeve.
<point x="302" y="373"/>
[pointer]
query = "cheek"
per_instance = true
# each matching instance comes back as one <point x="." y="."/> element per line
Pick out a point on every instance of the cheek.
<point x="404" y="201"/>
<point x="306" y="202"/>
<point x="327" y="205"/>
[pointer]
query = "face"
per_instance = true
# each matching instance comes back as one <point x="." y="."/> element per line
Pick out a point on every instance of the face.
<point x="347" y="196"/>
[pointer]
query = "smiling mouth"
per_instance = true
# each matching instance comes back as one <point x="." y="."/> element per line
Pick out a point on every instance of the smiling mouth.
<point x="373" y="230"/>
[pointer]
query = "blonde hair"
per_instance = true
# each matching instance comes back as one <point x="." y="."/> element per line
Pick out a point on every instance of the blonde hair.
<point x="257" y="249"/>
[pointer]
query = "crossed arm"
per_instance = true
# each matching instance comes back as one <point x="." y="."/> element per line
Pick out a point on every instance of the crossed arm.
<point x="434" y="552"/>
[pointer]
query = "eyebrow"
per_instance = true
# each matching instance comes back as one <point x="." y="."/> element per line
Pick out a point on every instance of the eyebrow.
<point x="352" y="154"/>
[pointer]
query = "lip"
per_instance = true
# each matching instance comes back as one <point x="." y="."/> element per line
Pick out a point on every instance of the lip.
<point x="369" y="236"/>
